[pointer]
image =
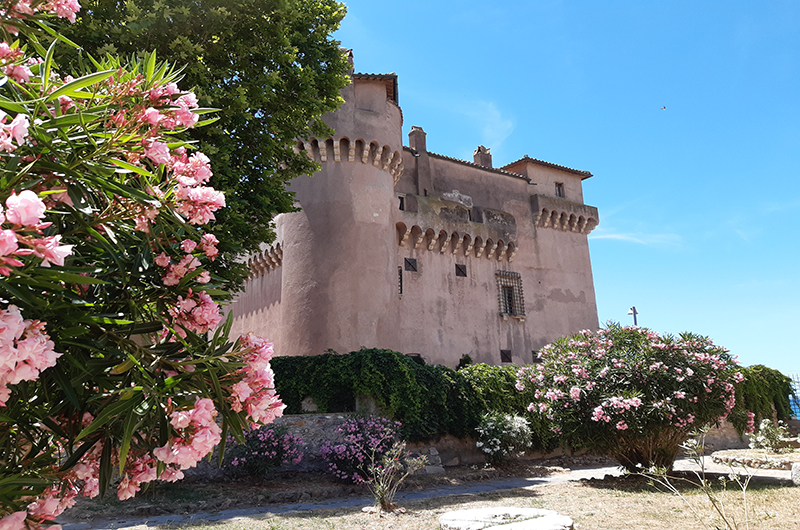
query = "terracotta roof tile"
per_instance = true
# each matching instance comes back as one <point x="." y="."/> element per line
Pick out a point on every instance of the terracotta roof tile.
<point x="526" y="158"/>
<point x="473" y="164"/>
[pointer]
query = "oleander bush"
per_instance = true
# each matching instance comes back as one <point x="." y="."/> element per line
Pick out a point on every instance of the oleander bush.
<point x="263" y="450"/>
<point x="363" y="442"/>
<point x="502" y="437"/>
<point x="631" y="393"/>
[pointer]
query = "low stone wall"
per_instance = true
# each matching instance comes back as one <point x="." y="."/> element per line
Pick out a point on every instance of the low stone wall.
<point x="315" y="429"/>
<point x="445" y="451"/>
<point x="725" y="437"/>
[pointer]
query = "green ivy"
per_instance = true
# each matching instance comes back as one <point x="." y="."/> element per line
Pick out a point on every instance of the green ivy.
<point x="765" y="392"/>
<point x="430" y="401"/>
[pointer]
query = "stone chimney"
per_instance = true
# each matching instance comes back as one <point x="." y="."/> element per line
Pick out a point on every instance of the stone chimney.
<point x="482" y="156"/>
<point x="416" y="139"/>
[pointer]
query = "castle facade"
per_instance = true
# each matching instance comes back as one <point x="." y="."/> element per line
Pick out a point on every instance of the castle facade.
<point x="397" y="247"/>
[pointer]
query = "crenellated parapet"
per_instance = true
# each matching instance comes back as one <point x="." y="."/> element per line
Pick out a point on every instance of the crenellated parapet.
<point x="457" y="243"/>
<point x="266" y="261"/>
<point x="564" y="215"/>
<point x="383" y="157"/>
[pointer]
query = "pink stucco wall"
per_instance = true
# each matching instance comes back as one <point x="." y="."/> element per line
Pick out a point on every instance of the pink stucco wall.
<point x="333" y="279"/>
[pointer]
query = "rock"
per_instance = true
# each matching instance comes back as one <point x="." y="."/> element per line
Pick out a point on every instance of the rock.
<point x="505" y="519"/>
<point x="796" y="474"/>
<point x="305" y="496"/>
<point x="434" y="470"/>
<point x="452" y="462"/>
<point x="432" y="451"/>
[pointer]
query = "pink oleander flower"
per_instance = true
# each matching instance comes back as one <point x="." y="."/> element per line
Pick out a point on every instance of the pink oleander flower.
<point x="8" y="242"/>
<point x="65" y="9"/>
<point x="197" y="439"/>
<point x="621" y="425"/>
<point x="199" y="203"/>
<point x="50" y="251"/>
<point x="25" y="350"/>
<point x="188" y="246"/>
<point x="158" y="152"/>
<point x="197" y="312"/>
<point x="162" y="260"/>
<point x="14" y="521"/>
<point x="260" y="402"/>
<point x="575" y="393"/>
<point x="18" y="72"/>
<point x="25" y="209"/>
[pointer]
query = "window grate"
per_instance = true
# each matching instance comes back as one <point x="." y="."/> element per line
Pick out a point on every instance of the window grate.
<point x="505" y="356"/>
<point x="400" y="281"/>
<point x="410" y="264"/>
<point x="461" y="270"/>
<point x="512" y="302"/>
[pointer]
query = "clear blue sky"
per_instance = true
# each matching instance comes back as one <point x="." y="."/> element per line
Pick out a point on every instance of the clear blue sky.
<point x="699" y="203"/>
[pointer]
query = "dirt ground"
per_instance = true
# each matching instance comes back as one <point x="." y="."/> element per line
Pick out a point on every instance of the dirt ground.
<point x="622" y="503"/>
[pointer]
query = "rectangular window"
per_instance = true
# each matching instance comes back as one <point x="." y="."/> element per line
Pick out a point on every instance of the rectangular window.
<point x="410" y="264"/>
<point x="560" y="189"/>
<point x="400" y="281"/>
<point x="509" y="287"/>
<point x="401" y="203"/>
<point x="505" y="356"/>
<point x="461" y="270"/>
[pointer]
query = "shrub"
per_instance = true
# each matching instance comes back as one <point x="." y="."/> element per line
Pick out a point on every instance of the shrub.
<point x="387" y="473"/>
<point x="763" y="394"/>
<point x="503" y="436"/>
<point x="631" y="393"/>
<point x="364" y="441"/>
<point x="497" y="391"/>
<point x="263" y="449"/>
<point x="771" y="437"/>
<point x="113" y="357"/>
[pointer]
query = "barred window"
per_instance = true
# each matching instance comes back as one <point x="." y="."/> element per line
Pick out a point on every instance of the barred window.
<point x="509" y="285"/>
<point x="400" y="281"/>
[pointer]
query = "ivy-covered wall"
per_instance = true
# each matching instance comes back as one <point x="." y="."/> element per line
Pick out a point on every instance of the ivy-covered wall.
<point x="433" y="401"/>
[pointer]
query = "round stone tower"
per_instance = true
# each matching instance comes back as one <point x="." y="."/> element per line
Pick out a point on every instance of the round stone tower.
<point x="338" y="275"/>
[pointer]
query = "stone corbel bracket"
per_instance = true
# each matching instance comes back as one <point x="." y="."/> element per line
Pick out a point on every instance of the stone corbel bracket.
<point x="343" y="149"/>
<point x="461" y="244"/>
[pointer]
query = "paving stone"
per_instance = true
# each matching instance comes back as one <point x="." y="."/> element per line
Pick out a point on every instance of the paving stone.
<point x="505" y="519"/>
<point x="796" y="474"/>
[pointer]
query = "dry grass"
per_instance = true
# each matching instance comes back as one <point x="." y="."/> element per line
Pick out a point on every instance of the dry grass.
<point x="615" y="504"/>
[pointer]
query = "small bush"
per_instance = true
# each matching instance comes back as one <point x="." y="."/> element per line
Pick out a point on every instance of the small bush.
<point x="771" y="437"/>
<point x="388" y="473"/>
<point x="264" y="449"/>
<point x="364" y="441"/>
<point x="503" y="436"/>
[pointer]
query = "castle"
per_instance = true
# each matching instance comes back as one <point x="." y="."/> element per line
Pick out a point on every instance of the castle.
<point x="400" y="248"/>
